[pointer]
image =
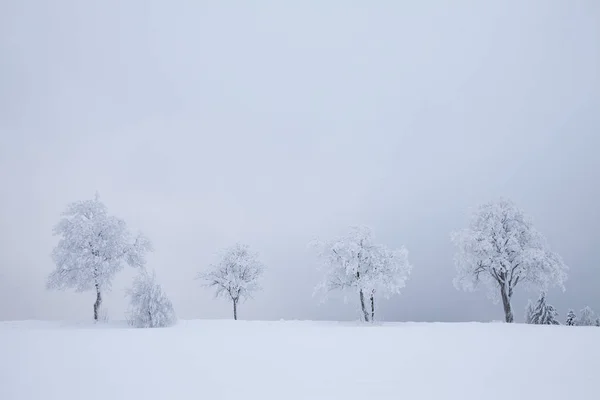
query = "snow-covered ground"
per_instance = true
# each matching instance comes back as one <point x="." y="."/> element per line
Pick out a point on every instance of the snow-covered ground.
<point x="298" y="360"/>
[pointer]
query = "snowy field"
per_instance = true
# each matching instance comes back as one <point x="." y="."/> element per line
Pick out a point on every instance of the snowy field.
<point x="298" y="360"/>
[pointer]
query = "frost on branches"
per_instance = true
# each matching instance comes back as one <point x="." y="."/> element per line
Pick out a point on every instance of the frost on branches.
<point x="541" y="313"/>
<point x="354" y="262"/>
<point x="501" y="249"/>
<point x="586" y="317"/>
<point x="236" y="276"/>
<point x="149" y="306"/>
<point x="93" y="247"/>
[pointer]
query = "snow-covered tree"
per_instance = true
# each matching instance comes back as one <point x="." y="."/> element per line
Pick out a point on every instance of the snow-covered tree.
<point x="586" y="317"/>
<point x="93" y="247"/>
<point x="529" y="312"/>
<point x="571" y="318"/>
<point x="597" y="322"/>
<point x="354" y="262"/>
<point x="236" y="276"/>
<point x="501" y="249"/>
<point x="149" y="307"/>
<point x="541" y="313"/>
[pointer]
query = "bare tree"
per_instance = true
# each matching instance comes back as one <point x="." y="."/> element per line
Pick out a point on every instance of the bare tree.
<point x="236" y="276"/>
<point x="502" y="249"/>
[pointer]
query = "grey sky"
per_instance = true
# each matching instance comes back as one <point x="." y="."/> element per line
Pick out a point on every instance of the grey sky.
<point x="272" y="123"/>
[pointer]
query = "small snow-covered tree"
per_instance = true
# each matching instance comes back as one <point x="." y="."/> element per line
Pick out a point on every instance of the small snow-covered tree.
<point x="149" y="306"/>
<point x="93" y="247"/>
<point x="354" y="262"/>
<point x="501" y="249"/>
<point x="597" y="322"/>
<point x="236" y="276"/>
<point x="586" y="317"/>
<point x="103" y="315"/>
<point x="571" y="318"/>
<point x="541" y="313"/>
<point x="550" y="315"/>
<point x="530" y="312"/>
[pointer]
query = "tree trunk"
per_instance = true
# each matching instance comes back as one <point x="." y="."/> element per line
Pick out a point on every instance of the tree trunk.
<point x="372" y="306"/>
<point x="235" y="309"/>
<point x="508" y="315"/>
<point x="362" y="305"/>
<point x="97" y="303"/>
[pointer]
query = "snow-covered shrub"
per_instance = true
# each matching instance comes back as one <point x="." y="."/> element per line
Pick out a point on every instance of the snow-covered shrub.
<point x="149" y="306"/>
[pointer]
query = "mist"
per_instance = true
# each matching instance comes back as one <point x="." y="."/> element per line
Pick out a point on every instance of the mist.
<point x="273" y="124"/>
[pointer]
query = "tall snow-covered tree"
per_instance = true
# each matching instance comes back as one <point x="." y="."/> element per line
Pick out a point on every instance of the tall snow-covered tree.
<point x="236" y="276"/>
<point x="541" y="313"/>
<point x="501" y="249"/>
<point x="149" y="306"/>
<point x="354" y="262"/>
<point x="586" y="317"/>
<point x="93" y="247"/>
<point x="571" y="318"/>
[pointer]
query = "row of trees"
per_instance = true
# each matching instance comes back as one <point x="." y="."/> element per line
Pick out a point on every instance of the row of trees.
<point x="542" y="313"/>
<point x="499" y="250"/>
<point x="587" y="317"/>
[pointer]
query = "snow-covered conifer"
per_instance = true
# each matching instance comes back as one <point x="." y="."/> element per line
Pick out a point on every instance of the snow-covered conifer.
<point x="586" y="317"/>
<point x="502" y="249"/>
<point x="541" y="313"/>
<point x="571" y="318"/>
<point x="149" y="307"/>
<point x="354" y="262"/>
<point x="597" y="322"/>
<point x="236" y="276"/>
<point x="93" y="247"/>
<point x="530" y="313"/>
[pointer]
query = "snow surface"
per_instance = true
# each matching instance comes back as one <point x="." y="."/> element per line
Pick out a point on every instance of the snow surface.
<point x="286" y="360"/>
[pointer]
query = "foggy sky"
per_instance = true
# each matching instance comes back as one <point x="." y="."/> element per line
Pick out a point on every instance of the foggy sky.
<point x="272" y="123"/>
